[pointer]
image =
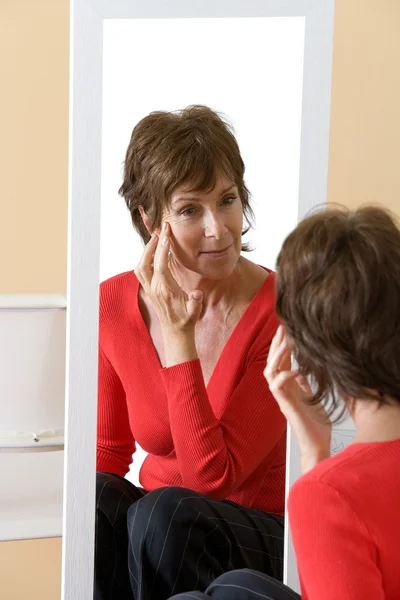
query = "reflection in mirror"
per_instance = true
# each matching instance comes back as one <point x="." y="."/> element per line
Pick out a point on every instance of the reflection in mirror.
<point x="191" y="445"/>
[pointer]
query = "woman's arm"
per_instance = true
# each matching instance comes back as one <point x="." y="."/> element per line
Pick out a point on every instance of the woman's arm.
<point x="310" y="423"/>
<point x="115" y="442"/>
<point x="335" y="554"/>
<point x="336" y="557"/>
<point x="215" y="455"/>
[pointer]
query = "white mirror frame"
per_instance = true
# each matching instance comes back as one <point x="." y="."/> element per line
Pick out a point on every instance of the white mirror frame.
<point x="86" y="34"/>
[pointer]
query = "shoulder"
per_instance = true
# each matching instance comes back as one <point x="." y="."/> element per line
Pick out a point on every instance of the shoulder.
<point x="335" y="470"/>
<point x="117" y="281"/>
<point x="321" y="487"/>
<point x="348" y="475"/>
<point x="344" y="496"/>
<point x="116" y="294"/>
<point x="261" y="322"/>
<point x="259" y="284"/>
<point x="263" y="280"/>
<point x="268" y="289"/>
<point x="117" y="285"/>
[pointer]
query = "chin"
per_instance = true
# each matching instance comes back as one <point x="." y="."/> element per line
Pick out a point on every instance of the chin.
<point x="220" y="270"/>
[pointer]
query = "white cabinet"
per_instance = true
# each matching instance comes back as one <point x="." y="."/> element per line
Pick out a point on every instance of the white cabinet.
<point x="32" y="391"/>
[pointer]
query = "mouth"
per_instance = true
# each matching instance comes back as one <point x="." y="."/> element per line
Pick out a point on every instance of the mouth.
<point x="217" y="253"/>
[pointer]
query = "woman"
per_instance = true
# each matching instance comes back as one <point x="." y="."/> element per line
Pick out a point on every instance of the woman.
<point x="338" y="298"/>
<point x="183" y="345"/>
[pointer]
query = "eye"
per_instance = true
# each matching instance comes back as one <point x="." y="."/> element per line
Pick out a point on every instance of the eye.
<point x="228" y="201"/>
<point x="188" y="212"/>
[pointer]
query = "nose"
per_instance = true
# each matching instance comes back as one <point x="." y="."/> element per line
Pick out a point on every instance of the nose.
<point x="214" y="226"/>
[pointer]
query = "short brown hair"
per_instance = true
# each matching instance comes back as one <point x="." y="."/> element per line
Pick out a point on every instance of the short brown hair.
<point x="168" y="149"/>
<point x="338" y="297"/>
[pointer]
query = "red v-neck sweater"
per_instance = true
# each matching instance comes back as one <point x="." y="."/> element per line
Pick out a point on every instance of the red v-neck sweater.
<point x="227" y="440"/>
<point x="344" y="516"/>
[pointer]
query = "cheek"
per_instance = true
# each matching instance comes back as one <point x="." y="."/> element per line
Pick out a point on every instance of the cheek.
<point x="184" y="237"/>
<point x="179" y="231"/>
<point x="235" y="223"/>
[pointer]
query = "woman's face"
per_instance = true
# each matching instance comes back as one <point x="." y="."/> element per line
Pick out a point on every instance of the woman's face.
<point x="206" y="228"/>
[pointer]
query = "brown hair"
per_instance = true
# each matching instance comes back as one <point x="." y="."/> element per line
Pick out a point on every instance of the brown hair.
<point x="338" y="297"/>
<point x="168" y="149"/>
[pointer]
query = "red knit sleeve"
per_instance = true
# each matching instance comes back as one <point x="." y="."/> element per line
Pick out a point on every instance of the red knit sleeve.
<point x="115" y="442"/>
<point x="335" y="554"/>
<point x="216" y="456"/>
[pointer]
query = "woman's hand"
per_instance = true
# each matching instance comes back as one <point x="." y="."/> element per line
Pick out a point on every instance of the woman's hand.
<point x="176" y="310"/>
<point x="310" y="423"/>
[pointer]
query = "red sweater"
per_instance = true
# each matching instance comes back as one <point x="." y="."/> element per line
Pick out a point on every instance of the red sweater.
<point x="345" y="523"/>
<point x="227" y="440"/>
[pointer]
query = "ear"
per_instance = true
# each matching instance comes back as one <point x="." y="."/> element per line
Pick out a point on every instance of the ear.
<point x="350" y="404"/>
<point x="146" y="219"/>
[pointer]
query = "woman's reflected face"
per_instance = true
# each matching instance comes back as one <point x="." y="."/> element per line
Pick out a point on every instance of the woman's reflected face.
<point x="206" y="228"/>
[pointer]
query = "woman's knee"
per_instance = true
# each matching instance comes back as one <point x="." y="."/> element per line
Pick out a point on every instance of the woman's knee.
<point x="161" y="512"/>
<point x="108" y="486"/>
<point x="242" y="584"/>
<point x="114" y="496"/>
<point x="248" y="584"/>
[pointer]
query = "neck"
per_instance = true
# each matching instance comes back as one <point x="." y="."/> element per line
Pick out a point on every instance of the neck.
<point x="374" y="423"/>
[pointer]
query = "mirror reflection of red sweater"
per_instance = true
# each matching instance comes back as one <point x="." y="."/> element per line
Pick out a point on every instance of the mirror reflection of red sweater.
<point x="345" y="522"/>
<point x="227" y="440"/>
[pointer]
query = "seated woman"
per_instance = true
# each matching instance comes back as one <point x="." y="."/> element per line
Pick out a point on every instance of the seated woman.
<point x="338" y="297"/>
<point x="183" y="345"/>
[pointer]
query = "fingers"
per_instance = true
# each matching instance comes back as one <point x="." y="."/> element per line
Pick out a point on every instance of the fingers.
<point x="195" y="304"/>
<point x="279" y="359"/>
<point x="281" y="387"/>
<point x="161" y="254"/>
<point x="277" y="339"/>
<point x="305" y="386"/>
<point x="144" y="270"/>
<point x="280" y="381"/>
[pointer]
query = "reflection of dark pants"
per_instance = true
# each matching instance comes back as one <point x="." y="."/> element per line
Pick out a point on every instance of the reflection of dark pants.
<point x="243" y="585"/>
<point x="172" y="540"/>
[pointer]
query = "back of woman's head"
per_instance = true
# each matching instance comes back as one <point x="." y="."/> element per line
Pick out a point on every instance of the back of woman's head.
<point x="338" y="297"/>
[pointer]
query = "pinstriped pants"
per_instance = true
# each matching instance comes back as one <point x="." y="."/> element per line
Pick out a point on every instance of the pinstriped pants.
<point x="150" y="546"/>
<point x="243" y="584"/>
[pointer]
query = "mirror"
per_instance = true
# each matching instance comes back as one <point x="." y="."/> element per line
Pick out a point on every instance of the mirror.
<point x="268" y="135"/>
<point x="126" y="62"/>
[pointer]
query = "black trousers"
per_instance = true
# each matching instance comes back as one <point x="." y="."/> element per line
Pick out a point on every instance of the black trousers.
<point x="150" y="546"/>
<point x="243" y="585"/>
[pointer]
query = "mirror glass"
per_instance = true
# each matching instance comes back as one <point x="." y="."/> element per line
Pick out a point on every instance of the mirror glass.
<point x="251" y="70"/>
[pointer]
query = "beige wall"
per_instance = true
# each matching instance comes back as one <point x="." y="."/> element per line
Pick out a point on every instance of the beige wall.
<point x="30" y="570"/>
<point x="365" y="120"/>
<point x="34" y="55"/>
<point x="364" y="151"/>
